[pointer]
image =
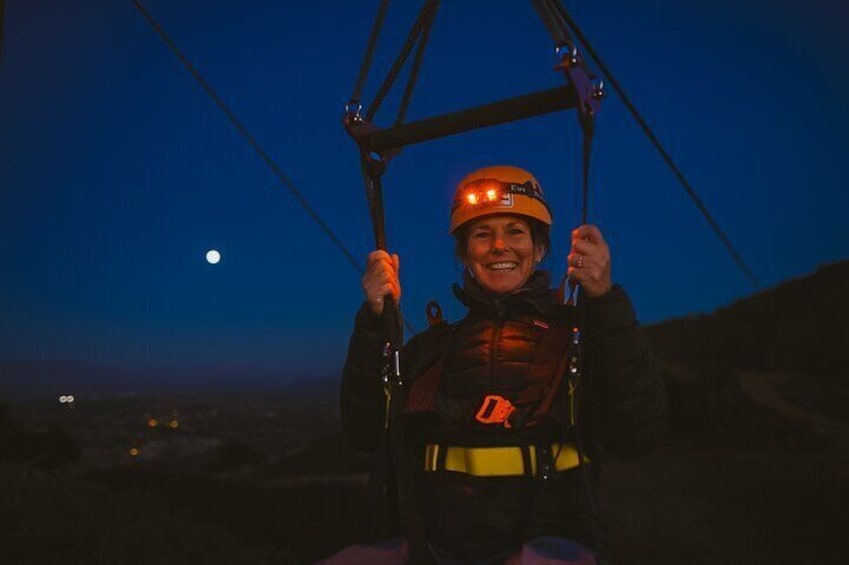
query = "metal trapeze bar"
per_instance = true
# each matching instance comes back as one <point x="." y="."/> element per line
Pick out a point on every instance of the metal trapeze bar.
<point x="512" y="109"/>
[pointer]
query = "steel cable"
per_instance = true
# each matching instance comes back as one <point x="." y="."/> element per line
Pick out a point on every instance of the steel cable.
<point x="243" y="131"/>
<point x="666" y="157"/>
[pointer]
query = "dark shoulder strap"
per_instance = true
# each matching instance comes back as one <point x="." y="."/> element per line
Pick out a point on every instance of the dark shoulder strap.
<point x="425" y="373"/>
<point x="546" y="373"/>
<point x="422" y="394"/>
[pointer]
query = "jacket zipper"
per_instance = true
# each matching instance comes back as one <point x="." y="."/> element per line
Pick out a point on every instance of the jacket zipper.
<point x="493" y="346"/>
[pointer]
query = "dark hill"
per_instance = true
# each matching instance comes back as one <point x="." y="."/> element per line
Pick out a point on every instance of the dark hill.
<point x="798" y="325"/>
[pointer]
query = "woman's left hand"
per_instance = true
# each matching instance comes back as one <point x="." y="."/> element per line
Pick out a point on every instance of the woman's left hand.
<point x="589" y="261"/>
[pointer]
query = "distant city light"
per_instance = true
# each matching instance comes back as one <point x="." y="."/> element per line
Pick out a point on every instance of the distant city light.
<point x="152" y="423"/>
<point x="134" y="452"/>
<point x="174" y="424"/>
<point x="66" y="399"/>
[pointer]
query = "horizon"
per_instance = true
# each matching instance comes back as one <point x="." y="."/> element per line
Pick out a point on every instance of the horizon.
<point x="89" y="380"/>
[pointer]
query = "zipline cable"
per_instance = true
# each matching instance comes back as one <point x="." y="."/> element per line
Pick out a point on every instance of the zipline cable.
<point x="2" y="11"/>
<point x="263" y="154"/>
<point x="278" y="172"/>
<point x="666" y="157"/>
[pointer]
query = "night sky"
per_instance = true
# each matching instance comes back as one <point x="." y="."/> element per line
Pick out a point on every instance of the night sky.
<point x="118" y="173"/>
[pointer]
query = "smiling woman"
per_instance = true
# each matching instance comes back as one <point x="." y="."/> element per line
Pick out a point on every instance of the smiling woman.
<point x="500" y="252"/>
<point x="501" y="225"/>
<point x="491" y="413"/>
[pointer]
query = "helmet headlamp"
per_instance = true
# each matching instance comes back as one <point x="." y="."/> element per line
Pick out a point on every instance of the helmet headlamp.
<point x="501" y="189"/>
<point x="493" y="192"/>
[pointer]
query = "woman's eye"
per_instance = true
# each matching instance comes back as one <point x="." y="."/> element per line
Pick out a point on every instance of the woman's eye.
<point x="480" y="235"/>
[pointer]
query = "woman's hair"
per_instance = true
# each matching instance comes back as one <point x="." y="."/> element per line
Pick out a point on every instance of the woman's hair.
<point x="540" y="236"/>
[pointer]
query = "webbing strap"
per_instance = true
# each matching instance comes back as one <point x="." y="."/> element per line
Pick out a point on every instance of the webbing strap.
<point x="373" y="170"/>
<point x="424" y="15"/>
<point x="574" y="68"/>
<point x="552" y="352"/>
<point x="422" y="394"/>
<point x="369" y="56"/>
<point x="585" y="174"/>
<point x="417" y="63"/>
<point x="409" y="497"/>
<point x="394" y="439"/>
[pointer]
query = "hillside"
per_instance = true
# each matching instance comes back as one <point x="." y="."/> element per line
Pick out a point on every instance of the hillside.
<point x="797" y="325"/>
<point x="768" y="371"/>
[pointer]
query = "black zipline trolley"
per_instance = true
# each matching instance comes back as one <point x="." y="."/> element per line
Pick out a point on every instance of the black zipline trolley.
<point x="377" y="146"/>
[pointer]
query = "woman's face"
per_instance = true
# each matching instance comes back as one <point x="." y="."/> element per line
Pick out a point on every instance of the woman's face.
<point x="500" y="252"/>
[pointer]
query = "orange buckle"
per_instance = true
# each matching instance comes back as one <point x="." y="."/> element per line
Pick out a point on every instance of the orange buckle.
<point x="495" y="409"/>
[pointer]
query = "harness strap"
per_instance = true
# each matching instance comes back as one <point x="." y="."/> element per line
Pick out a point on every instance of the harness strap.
<point x="354" y="104"/>
<point x="538" y="460"/>
<point x="551" y="353"/>
<point x="422" y="21"/>
<point x="422" y="395"/>
<point x="430" y="9"/>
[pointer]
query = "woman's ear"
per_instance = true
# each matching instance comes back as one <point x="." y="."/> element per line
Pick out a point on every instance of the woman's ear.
<point x="540" y="254"/>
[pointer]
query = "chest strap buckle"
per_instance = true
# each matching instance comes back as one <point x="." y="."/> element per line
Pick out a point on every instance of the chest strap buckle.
<point x="495" y="409"/>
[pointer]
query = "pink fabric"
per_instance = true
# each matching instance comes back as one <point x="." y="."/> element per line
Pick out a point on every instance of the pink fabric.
<point x="370" y="555"/>
<point x="540" y="551"/>
<point x="532" y="555"/>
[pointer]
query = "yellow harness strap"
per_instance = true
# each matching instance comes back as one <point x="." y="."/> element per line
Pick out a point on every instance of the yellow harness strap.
<point x="496" y="461"/>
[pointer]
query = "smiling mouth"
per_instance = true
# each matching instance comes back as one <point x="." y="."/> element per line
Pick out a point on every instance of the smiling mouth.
<point x="502" y="266"/>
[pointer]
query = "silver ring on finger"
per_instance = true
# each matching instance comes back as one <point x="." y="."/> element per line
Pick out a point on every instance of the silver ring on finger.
<point x="580" y="262"/>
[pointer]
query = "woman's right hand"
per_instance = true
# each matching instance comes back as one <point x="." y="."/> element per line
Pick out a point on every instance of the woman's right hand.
<point x="381" y="279"/>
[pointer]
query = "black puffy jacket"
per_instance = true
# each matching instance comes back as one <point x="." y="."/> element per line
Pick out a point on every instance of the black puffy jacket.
<point x="622" y="411"/>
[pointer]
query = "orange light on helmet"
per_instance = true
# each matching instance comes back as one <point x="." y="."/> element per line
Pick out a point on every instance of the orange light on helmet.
<point x="491" y="194"/>
<point x="472" y="198"/>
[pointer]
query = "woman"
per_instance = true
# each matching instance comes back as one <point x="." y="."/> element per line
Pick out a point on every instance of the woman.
<point x="492" y="416"/>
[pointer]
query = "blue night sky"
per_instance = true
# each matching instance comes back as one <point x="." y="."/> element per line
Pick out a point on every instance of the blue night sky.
<point x="118" y="173"/>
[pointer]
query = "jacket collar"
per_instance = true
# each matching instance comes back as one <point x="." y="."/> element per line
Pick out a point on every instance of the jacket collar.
<point x="535" y="293"/>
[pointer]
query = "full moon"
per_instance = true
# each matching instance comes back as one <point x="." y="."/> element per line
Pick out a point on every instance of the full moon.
<point x="213" y="256"/>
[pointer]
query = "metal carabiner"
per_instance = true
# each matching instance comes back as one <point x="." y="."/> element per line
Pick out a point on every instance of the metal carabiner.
<point x="352" y="111"/>
<point x="597" y="89"/>
<point x="572" y="57"/>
